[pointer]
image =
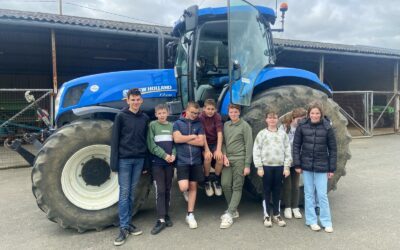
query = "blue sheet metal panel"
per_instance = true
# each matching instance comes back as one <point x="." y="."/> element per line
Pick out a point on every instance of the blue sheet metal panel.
<point x="224" y="10"/>
<point x="219" y="13"/>
<point x="109" y="87"/>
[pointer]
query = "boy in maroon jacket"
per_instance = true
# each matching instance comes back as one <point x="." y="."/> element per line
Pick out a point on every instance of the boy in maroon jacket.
<point x="212" y="124"/>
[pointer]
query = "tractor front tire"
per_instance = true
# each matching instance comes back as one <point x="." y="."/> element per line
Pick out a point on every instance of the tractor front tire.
<point x="72" y="180"/>
<point x="284" y="99"/>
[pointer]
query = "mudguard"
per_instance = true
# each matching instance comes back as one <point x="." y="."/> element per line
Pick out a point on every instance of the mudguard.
<point x="279" y="76"/>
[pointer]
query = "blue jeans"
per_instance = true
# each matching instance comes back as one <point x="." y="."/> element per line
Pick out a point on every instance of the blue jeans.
<point x="129" y="174"/>
<point x="316" y="184"/>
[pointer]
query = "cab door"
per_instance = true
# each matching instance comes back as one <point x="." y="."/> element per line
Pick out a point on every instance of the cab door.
<point x="249" y="49"/>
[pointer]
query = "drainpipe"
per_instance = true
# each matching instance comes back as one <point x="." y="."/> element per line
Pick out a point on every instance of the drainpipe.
<point x="161" y="50"/>
<point x="321" y="67"/>
<point x="54" y="61"/>
<point x="396" y="91"/>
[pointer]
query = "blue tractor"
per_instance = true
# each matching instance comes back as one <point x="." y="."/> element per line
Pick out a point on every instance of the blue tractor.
<point x="226" y="54"/>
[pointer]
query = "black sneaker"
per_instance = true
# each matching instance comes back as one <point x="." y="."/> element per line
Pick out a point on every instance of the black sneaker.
<point x="123" y="235"/>
<point x="168" y="221"/>
<point x="134" y="230"/>
<point x="158" y="227"/>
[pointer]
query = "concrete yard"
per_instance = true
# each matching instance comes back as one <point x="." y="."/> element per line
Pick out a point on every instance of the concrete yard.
<point x="365" y="211"/>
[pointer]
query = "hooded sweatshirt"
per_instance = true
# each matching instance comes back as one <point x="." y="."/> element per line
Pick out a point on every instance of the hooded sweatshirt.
<point x="128" y="136"/>
<point x="187" y="154"/>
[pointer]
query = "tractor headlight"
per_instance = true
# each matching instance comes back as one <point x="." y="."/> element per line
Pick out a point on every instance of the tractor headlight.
<point x="73" y="95"/>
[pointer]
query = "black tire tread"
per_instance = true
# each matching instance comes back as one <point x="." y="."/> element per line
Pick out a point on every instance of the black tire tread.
<point x="48" y="192"/>
<point x="284" y="99"/>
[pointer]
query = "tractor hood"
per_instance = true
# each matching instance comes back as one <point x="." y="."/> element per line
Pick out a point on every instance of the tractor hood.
<point x="111" y="87"/>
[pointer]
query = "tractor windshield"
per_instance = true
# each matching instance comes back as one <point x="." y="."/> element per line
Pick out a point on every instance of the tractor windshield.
<point x="250" y="49"/>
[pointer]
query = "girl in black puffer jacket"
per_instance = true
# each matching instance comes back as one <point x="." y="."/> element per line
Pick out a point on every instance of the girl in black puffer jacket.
<point x="315" y="155"/>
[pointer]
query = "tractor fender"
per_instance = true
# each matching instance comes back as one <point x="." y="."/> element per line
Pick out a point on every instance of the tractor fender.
<point x="279" y="76"/>
<point x="275" y="77"/>
<point x="94" y="109"/>
<point x="102" y="112"/>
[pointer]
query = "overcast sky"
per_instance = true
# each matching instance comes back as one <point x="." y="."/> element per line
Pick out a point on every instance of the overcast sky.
<point x="355" y="22"/>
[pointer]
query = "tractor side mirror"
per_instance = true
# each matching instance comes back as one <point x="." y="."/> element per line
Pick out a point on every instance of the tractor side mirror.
<point x="171" y="51"/>
<point x="237" y="71"/>
<point x="191" y="17"/>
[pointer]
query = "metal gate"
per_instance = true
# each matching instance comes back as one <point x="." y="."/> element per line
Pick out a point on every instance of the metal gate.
<point x="368" y="112"/>
<point x="18" y="117"/>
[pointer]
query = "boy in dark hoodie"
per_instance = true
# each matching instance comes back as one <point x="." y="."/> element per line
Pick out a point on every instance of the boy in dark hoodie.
<point x="128" y="151"/>
<point x="188" y="136"/>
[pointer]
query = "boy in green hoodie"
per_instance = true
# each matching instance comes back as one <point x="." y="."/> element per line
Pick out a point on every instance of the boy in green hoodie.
<point x="161" y="146"/>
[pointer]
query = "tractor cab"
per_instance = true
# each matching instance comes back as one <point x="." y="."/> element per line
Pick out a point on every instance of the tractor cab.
<point x="222" y="50"/>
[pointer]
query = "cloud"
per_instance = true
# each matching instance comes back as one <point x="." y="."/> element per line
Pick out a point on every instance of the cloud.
<point x="367" y="22"/>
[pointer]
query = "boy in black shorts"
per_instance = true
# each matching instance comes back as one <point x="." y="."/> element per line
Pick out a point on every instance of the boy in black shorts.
<point x="188" y="136"/>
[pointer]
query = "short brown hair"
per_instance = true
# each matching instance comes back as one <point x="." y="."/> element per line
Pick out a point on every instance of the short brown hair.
<point x="192" y="104"/>
<point x="134" y="92"/>
<point x="234" y="106"/>
<point x="210" y="102"/>
<point x="160" y="107"/>
<point x="315" y="105"/>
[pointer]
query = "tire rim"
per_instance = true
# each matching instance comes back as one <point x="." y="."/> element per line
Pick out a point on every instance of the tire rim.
<point x="78" y="191"/>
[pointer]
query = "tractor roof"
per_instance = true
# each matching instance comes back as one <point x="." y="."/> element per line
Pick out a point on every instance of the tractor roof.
<point x="220" y="13"/>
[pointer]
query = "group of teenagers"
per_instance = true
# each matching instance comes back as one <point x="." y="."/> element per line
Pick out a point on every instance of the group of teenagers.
<point x="304" y="144"/>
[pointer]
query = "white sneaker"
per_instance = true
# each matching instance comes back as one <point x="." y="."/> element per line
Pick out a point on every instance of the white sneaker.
<point x="191" y="221"/>
<point x="267" y="221"/>
<point x="329" y="229"/>
<point x="315" y="227"/>
<point x="296" y="213"/>
<point x="217" y="188"/>
<point x="287" y="213"/>
<point x="278" y="220"/>
<point x="226" y="221"/>
<point x="235" y="215"/>
<point x="208" y="188"/>
<point x="186" y="195"/>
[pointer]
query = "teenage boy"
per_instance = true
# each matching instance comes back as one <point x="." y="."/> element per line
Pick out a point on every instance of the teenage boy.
<point x="212" y="124"/>
<point x="128" y="151"/>
<point x="160" y="144"/>
<point x="237" y="149"/>
<point x="188" y="136"/>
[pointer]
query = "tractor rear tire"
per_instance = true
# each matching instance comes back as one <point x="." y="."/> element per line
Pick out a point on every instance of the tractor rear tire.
<point x="284" y="99"/>
<point x="72" y="181"/>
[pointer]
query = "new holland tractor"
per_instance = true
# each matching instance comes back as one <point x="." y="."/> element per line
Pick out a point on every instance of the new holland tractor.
<point x="223" y="53"/>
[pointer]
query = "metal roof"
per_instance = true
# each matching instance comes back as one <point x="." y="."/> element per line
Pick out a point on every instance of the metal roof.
<point x="15" y="15"/>
<point x="37" y="17"/>
<point x="338" y="48"/>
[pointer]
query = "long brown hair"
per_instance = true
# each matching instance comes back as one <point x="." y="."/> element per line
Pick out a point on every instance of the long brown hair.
<point x="297" y="112"/>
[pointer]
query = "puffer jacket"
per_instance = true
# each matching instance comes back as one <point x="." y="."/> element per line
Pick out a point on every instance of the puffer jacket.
<point x="187" y="154"/>
<point x="314" y="146"/>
